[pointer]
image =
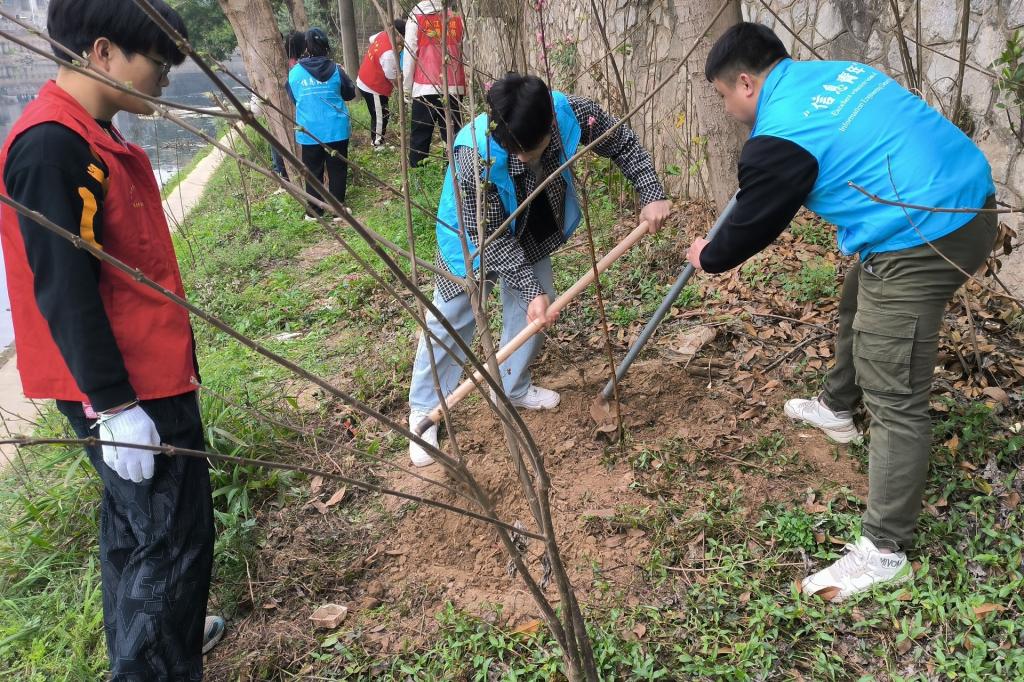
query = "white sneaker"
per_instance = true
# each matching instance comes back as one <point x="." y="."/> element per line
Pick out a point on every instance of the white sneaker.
<point x="417" y="454"/>
<point x="837" y="425"/>
<point x="861" y="567"/>
<point x="537" y="398"/>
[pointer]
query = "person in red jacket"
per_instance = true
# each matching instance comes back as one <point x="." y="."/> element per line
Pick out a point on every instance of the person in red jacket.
<point x="376" y="80"/>
<point x="117" y="357"/>
<point x="432" y="72"/>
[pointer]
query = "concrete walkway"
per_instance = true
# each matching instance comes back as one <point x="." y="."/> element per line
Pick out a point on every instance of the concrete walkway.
<point x="189" y="191"/>
<point x="17" y="413"/>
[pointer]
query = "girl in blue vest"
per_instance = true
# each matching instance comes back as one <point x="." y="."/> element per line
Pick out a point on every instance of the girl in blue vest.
<point x="528" y="134"/>
<point x="320" y="89"/>
<point x="818" y="126"/>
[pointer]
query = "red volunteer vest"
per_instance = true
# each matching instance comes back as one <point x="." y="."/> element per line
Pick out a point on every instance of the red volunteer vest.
<point x="153" y="333"/>
<point x="428" y="52"/>
<point x="370" y="71"/>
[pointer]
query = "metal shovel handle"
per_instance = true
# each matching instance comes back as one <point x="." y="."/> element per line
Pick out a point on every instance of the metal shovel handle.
<point x="662" y="310"/>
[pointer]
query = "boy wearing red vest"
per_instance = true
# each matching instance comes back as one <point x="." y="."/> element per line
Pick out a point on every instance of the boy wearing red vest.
<point x="376" y="79"/>
<point x="433" y="39"/>
<point x="116" y="356"/>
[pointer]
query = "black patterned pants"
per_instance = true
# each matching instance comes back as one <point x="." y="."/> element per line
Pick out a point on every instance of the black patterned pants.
<point x="156" y="550"/>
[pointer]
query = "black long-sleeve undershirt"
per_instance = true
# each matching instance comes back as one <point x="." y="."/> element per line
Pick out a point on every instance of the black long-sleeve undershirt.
<point x="775" y="177"/>
<point x="52" y="170"/>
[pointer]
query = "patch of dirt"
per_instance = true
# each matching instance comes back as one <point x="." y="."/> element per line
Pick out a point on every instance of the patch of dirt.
<point x="698" y="422"/>
<point x="460" y="560"/>
<point x="311" y="256"/>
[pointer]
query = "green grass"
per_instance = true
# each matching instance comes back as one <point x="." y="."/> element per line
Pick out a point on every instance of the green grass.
<point x="815" y="232"/>
<point x="815" y="280"/>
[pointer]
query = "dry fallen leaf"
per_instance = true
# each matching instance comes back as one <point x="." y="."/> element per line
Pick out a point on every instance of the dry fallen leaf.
<point x="529" y="627"/>
<point x="985" y="609"/>
<point x="337" y="496"/>
<point x="691" y="341"/>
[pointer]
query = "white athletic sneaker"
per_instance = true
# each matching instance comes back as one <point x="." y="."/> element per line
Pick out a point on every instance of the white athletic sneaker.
<point x="213" y="631"/>
<point x="537" y="398"/>
<point x="861" y="567"/>
<point x="837" y="425"/>
<point x="417" y="454"/>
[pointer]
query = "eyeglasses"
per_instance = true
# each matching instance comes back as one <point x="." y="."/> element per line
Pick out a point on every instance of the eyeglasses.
<point x="165" y="67"/>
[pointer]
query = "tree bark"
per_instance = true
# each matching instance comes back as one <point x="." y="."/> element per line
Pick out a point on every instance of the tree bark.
<point x="260" y="43"/>
<point x="724" y="135"/>
<point x="347" y="21"/>
<point x="300" y="20"/>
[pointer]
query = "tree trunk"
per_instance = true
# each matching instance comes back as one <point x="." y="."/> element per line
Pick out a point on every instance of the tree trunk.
<point x="724" y="135"/>
<point x="260" y="43"/>
<point x="347" y="21"/>
<point x="297" y="9"/>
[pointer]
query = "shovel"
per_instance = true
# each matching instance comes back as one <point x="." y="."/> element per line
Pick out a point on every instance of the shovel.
<point x="600" y="403"/>
<point x="467" y="386"/>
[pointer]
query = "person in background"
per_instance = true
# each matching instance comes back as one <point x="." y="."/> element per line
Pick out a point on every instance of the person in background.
<point x="376" y="79"/>
<point x="118" y="358"/>
<point x="429" y="42"/>
<point x="818" y="126"/>
<point x="320" y="88"/>
<point x="294" y="47"/>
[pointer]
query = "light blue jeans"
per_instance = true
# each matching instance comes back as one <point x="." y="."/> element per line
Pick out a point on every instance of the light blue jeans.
<point x="515" y="371"/>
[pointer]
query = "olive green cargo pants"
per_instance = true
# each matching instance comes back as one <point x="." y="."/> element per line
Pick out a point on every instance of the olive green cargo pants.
<point x="890" y="313"/>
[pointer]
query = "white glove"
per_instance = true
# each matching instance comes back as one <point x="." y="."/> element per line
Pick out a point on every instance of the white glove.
<point x="131" y="426"/>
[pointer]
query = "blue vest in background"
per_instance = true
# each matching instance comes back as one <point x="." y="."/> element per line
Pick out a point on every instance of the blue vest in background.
<point x="494" y="168"/>
<point x="862" y="126"/>
<point x="319" y="107"/>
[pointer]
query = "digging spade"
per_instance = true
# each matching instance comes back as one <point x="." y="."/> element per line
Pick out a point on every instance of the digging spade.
<point x="600" y="410"/>
<point x="582" y="283"/>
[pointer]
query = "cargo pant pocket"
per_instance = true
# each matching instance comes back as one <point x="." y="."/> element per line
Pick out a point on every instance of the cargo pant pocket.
<point x="883" y="345"/>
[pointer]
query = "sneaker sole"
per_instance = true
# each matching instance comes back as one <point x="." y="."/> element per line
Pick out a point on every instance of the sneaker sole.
<point x="841" y="436"/>
<point x="214" y="641"/>
<point x="537" y="408"/>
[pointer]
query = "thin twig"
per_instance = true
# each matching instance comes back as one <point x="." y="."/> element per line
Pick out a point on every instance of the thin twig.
<point x="173" y="451"/>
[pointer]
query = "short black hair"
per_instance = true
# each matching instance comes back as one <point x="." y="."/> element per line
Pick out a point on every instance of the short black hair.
<point x="295" y="45"/>
<point x="745" y="46"/>
<point x="77" y="24"/>
<point x="317" y="44"/>
<point x="399" y="25"/>
<point x="521" y="111"/>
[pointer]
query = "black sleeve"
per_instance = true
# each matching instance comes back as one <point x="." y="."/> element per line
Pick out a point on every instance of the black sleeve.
<point x="776" y="176"/>
<point x="52" y="170"/>
<point x="348" y="88"/>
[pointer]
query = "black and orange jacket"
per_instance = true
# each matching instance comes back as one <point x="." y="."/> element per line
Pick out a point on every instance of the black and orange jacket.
<point x="85" y="331"/>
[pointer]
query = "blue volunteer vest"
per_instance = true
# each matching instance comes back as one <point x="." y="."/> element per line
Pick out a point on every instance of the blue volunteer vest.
<point x="319" y="107"/>
<point x="862" y="126"/>
<point x="494" y="168"/>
